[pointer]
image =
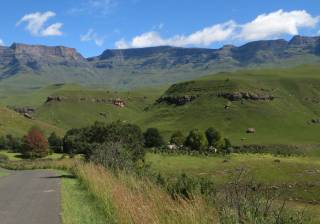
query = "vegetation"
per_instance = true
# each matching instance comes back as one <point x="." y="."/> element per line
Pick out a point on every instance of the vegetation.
<point x="153" y="138"/>
<point x="34" y="144"/>
<point x="195" y="140"/>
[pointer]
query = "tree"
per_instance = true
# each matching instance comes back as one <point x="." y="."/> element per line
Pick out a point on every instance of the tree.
<point x="213" y="137"/>
<point x="153" y="138"/>
<point x="177" y="138"/>
<point x="34" y="144"/>
<point x="55" y="143"/>
<point x="195" y="140"/>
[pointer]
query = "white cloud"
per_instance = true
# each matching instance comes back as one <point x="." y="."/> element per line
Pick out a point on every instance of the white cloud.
<point x="1" y="42"/>
<point x="265" y="26"/>
<point x="92" y="36"/>
<point x="36" y="24"/>
<point x="204" y="37"/>
<point x="52" y="30"/>
<point x="277" y="23"/>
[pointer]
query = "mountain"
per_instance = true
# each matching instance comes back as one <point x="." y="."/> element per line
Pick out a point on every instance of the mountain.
<point x="34" y="65"/>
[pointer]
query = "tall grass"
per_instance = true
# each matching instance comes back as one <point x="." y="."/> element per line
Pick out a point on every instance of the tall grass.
<point x="140" y="201"/>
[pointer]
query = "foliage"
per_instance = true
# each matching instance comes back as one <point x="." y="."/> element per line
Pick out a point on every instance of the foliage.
<point x="34" y="144"/>
<point x="177" y="138"/>
<point x="213" y="137"/>
<point x="113" y="155"/>
<point x="153" y="138"/>
<point x="55" y="143"/>
<point x="195" y="140"/>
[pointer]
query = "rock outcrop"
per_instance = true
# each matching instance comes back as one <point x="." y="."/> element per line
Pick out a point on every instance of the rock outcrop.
<point x="176" y="100"/>
<point x="236" y="96"/>
<point x="54" y="98"/>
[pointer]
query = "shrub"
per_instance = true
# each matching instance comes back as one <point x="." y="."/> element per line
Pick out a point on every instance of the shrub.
<point x="113" y="155"/>
<point x="195" y="140"/>
<point x="35" y="144"/>
<point x="213" y="137"/>
<point x="55" y="143"/>
<point x="177" y="138"/>
<point x="153" y="138"/>
<point x="184" y="187"/>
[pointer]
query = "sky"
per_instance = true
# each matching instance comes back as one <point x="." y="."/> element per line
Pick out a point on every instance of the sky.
<point x="91" y="26"/>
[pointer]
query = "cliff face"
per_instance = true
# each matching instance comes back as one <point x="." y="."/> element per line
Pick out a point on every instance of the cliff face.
<point x="40" y="52"/>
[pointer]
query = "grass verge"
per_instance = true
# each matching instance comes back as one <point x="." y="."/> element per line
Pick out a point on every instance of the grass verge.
<point x="79" y="206"/>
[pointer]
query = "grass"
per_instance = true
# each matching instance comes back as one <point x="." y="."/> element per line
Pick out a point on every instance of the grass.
<point x="3" y="174"/>
<point x="78" y="205"/>
<point x="298" y="175"/>
<point x="13" y="156"/>
<point x="296" y="104"/>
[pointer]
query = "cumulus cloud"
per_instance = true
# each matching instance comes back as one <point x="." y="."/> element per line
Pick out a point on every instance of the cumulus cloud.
<point x="277" y="23"/>
<point x="204" y="37"/>
<point x="92" y="36"/>
<point x="265" y="26"/>
<point x="36" y="24"/>
<point x="1" y="42"/>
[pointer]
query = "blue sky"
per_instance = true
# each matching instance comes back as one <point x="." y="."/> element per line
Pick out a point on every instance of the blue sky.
<point x="92" y="26"/>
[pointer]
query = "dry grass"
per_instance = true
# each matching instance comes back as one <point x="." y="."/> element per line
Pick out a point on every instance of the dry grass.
<point x="130" y="199"/>
<point x="137" y="201"/>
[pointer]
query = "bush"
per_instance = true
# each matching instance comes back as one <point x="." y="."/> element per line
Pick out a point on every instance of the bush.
<point x="55" y="143"/>
<point x="10" y="143"/>
<point x="195" y="140"/>
<point x="213" y="137"/>
<point x="153" y="138"/>
<point x="184" y="187"/>
<point x="113" y="155"/>
<point x="35" y="144"/>
<point x="177" y="138"/>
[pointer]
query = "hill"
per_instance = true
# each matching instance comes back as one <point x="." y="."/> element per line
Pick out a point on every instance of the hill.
<point x="283" y="105"/>
<point x="25" y="66"/>
<point x="16" y="124"/>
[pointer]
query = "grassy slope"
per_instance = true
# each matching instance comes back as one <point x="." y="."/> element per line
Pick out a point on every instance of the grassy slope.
<point x="72" y="112"/>
<point x="284" y="120"/>
<point x="14" y="123"/>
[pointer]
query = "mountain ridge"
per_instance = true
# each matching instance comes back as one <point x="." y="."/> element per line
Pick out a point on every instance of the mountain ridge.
<point x="155" y="65"/>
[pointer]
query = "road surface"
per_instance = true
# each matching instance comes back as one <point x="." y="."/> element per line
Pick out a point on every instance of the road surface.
<point x="30" y="197"/>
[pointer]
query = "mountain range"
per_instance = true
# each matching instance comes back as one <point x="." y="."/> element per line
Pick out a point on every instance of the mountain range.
<point x="37" y="65"/>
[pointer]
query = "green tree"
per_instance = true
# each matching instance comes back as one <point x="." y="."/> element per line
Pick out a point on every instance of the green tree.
<point x="177" y="138"/>
<point x="153" y="138"/>
<point x="55" y="143"/>
<point x="213" y="137"/>
<point x="195" y="140"/>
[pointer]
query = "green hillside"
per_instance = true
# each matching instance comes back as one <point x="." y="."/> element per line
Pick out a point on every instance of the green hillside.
<point x="15" y="124"/>
<point x="285" y="119"/>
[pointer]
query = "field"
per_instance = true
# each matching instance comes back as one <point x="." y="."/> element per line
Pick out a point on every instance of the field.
<point x="297" y="176"/>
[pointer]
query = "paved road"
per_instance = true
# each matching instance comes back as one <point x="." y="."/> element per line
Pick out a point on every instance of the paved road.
<point x="30" y="197"/>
